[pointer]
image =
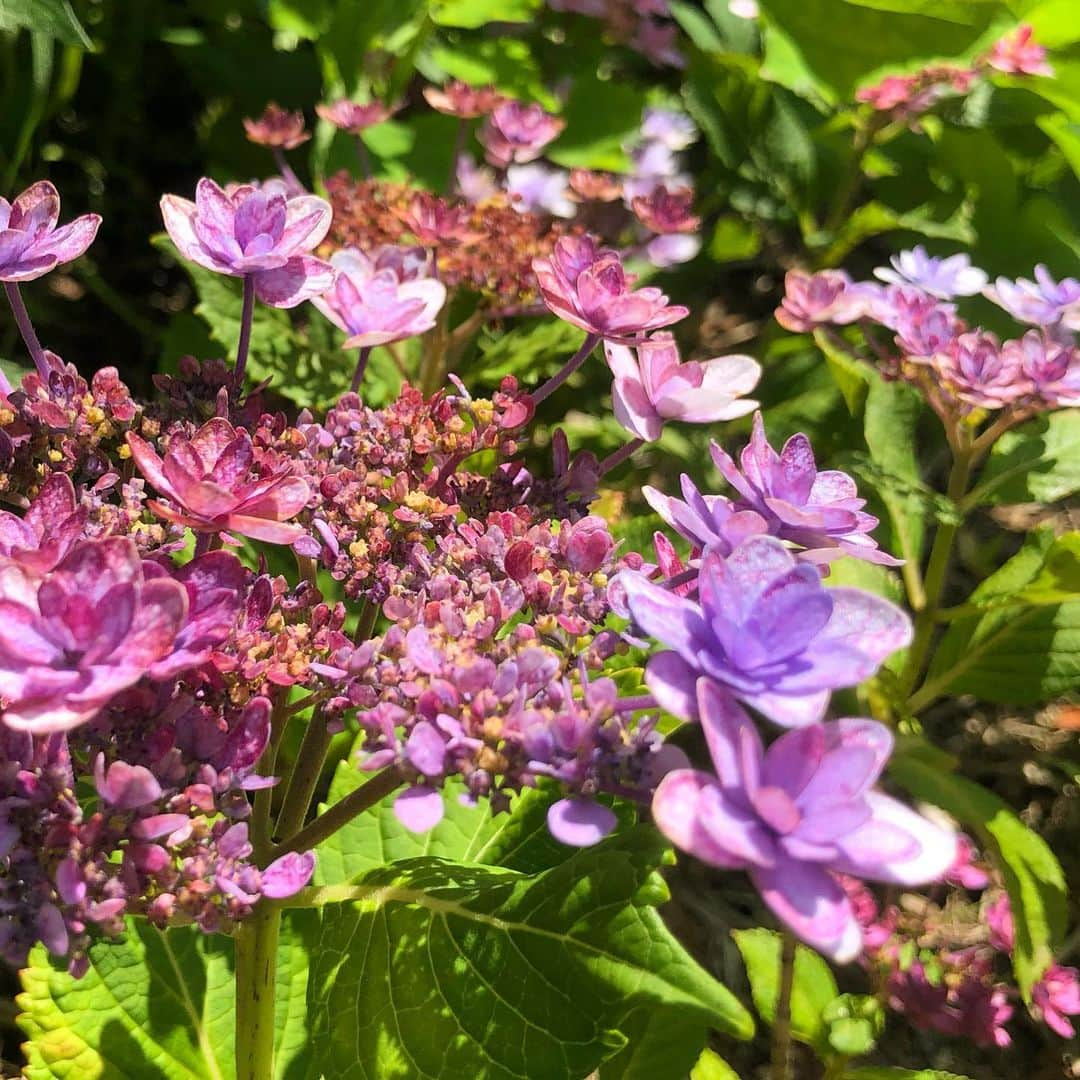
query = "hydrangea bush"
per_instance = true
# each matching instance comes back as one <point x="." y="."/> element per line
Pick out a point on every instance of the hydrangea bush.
<point x="350" y="738"/>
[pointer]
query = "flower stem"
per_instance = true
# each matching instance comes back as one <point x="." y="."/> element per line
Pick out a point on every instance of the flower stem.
<point x="568" y="369"/>
<point x="937" y="569"/>
<point x="26" y="327"/>
<point x="256" y="968"/>
<point x="342" y="812"/>
<point x="361" y="367"/>
<point x="781" y="1030"/>
<point x="305" y="776"/>
<point x="614" y="460"/>
<point x="285" y="169"/>
<point x="247" y="314"/>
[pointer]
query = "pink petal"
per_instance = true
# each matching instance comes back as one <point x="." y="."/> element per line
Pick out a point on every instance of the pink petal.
<point x="419" y="809"/>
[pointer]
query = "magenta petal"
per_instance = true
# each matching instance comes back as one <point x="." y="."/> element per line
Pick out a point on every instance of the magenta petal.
<point x="580" y="822"/>
<point x="419" y="809"/>
<point x="288" y="875"/>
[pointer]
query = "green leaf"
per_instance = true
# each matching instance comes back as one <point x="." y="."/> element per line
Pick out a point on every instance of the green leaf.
<point x="476" y="13"/>
<point x="852" y="376"/>
<point x="1033" y="876"/>
<point x="601" y="116"/>
<point x="157" y="1004"/>
<point x="890" y="426"/>
<point x="879" y="1072"/>
<point x="1009" y="657"/>
<point x="507" y="63"/>
<point x="812" y="990"/>
<point x="1036" y="462"/>
<point x="482" y="973"/>
<point x="662" y="1044"/>
<point x="52" y="17"/>
<point x="710" y="1066"/>
<point x="904" y="34"/>
<point x="734" y="238"/>
<point x="875" y="218"/>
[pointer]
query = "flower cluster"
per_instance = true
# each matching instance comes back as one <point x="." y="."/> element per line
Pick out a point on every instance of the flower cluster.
<point x="958" y="366"/>
<point x="943" y="961"/>
<point x="906" y="97"/>
<point x="467" y="610"/>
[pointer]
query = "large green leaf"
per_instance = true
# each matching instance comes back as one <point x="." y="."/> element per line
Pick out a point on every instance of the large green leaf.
<point x="662" y="1044"/>
<point x="1037" y="462"/>
<point x="52" y="17"/>
<point x="1012" y="656"/>
<point x="475" y="13"/>
<point x="432" y="969"/>
<point x="903" y="33"/>
<point x="157" y="1004"/>
<point x="1033" y="876"/>
<point x="813" y="986"/>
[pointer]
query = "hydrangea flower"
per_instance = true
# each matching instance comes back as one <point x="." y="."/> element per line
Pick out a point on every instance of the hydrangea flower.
<point x="940" y="277"/>
<point x="460" y="99"/>
<point x="73" y="639"/>
<point x="277" y="127"/>
<point x="30" y="243"/>
<point x="706" y="521"/>
<point x="1049" y="368"/>
<point x="381" y="297"/>
<point x="820" y="511"/>
<point x="767" y="629"/>
<point x="1056" y="997"/>
<point x="518" y="132"/>
<point x="213" y="479"/>
<point x="652" y="385"/>
<point x="353" y="117"/>
<point x="816" y="299"/>
<point x="798" y="813"/>
<point x="1018" y="54"/>
<point x="1042" y="302"/>
<point x="588" y="287"/>
<point x="254" y="233"/>
<point x="672" y="128"/>
<point x="52" y="524"/>
<point x="981" y="372"/>
<point x="540" y="189"/>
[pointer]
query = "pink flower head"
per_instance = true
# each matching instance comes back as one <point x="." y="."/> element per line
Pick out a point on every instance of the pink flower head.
<point x="30" y="243"/>
<point x="1018" y="54"/>
<point x="595" y="186"/>
<point x="663" y="211"/>
<point x="589" y="288"/>
<point x="1050" y="368"/>
<point x="353" y="117"/>
<point x="1042" y="302"/>
<point x="48" y="530"/>
<point x="254" y="232"/>
<point x="819" y="299"/>
<point x="518" y="132"/>
<point x="460" y="99"/>
<point x="820" y="511"/>
<point x="981" y="372"/>
<point x="892" y="92"/>
<point x="214" y="480"/>
<point x="795" y="815"/>
<point x="767" y="629"/>
<point x="71" y="640"/>
<point x="277" y="127"/>
<point x="999" y="921"/>
<point x="1056" y="996"/>
<point x="380" y="298"/>
<point x="943" y="278"/>
<point x="652" y="386"/>
<point x="434" y="222"/>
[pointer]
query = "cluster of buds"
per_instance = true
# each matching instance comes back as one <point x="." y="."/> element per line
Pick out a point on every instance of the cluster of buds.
<point x="943" y="961"/>
<point x="907" y="97"/>
<point x="960" y="368"/>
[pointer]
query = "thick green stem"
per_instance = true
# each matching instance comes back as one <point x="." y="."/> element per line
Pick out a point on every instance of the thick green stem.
<point x="781" y="1030"/>
<point x="305" y="776"/>
<point x="256" y="966"/>
<point x="259" y="831"/>
<point x="937" y="571"/>
<point x="341" y="813"/>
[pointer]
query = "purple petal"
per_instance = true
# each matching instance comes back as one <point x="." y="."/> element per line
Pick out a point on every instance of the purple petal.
<point x="288" y="875"/>
<point x="673" y="683"/>
<point x="677" y="808"/>
<point x="419" y="809"/>
<point x="580" y="822"/>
